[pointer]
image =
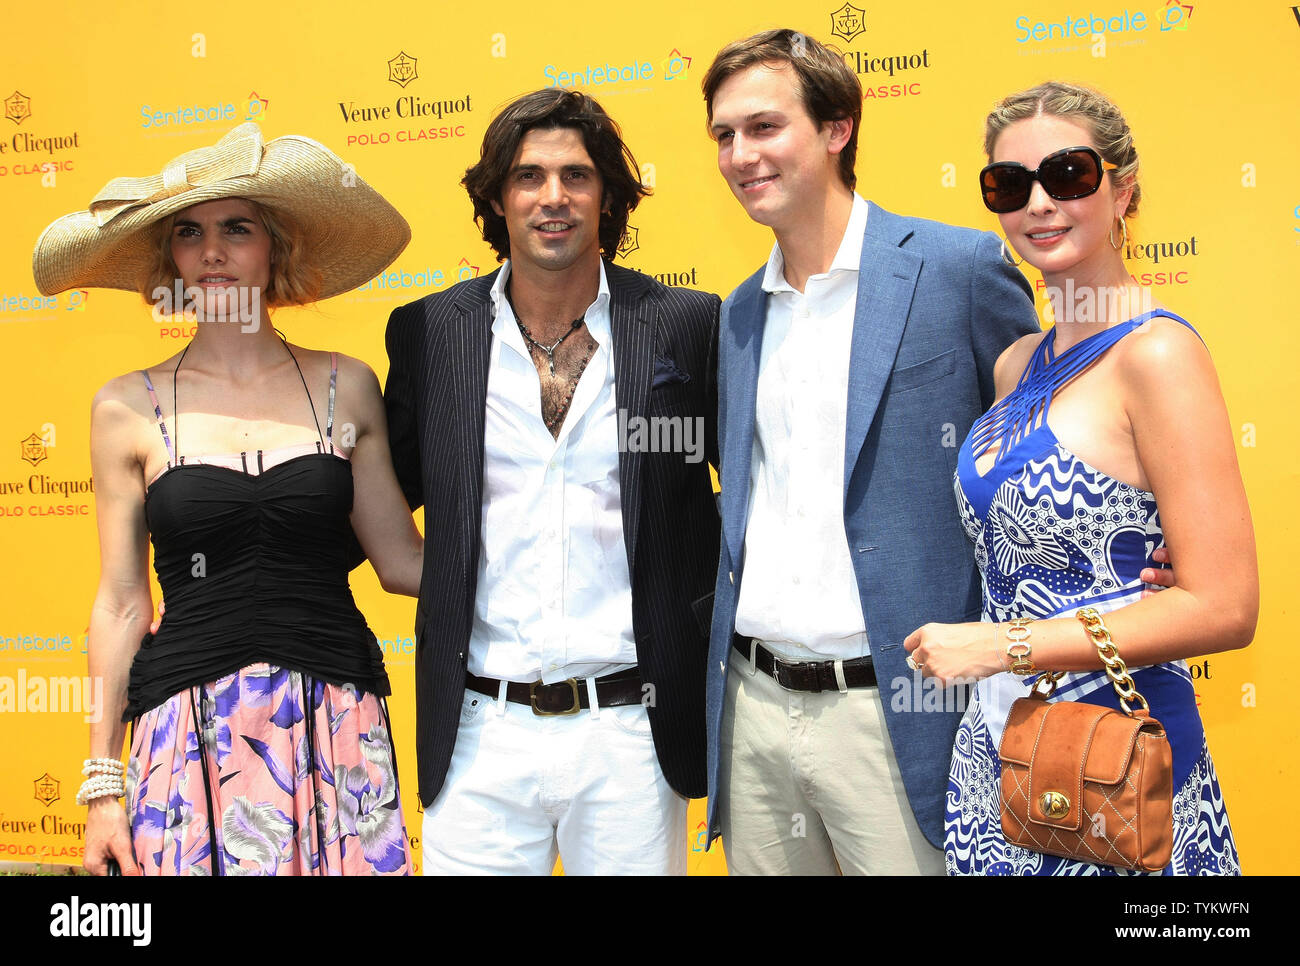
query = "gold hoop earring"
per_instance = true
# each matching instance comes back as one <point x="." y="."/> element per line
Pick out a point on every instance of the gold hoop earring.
<point x="1006" y="256"/>
<point x="1124" y="236"/>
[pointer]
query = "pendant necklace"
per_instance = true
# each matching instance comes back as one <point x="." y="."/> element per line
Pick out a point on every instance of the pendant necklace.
<point x="548" y="349"/>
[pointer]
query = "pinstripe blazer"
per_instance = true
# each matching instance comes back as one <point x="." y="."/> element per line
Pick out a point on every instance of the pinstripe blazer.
<point x="664" y="343"/>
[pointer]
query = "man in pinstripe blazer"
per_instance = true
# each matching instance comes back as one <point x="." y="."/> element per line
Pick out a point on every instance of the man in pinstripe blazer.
<point x="554" y="418"/>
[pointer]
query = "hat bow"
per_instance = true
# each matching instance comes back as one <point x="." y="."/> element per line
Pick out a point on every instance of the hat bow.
<point x="236" y="155"/>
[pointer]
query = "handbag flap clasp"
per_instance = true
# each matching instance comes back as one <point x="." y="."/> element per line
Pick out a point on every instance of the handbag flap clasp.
<point x="1047" y="739"/>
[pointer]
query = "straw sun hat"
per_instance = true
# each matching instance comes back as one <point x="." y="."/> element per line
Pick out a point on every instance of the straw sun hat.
<point x="350" y="232"/>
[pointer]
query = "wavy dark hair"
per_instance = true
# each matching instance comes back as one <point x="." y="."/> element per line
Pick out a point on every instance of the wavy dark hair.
<point x="548" y="109"/>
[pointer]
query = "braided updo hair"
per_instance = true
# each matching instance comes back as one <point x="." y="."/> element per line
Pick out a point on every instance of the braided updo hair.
<point x="1110" y="132"/>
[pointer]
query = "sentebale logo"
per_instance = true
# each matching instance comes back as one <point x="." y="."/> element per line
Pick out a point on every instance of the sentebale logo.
<point x="1175" y="15"/>
<point x="675" y="64"/>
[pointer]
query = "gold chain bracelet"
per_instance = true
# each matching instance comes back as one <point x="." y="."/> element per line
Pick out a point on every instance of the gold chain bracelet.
<point x="1116" y="670"/>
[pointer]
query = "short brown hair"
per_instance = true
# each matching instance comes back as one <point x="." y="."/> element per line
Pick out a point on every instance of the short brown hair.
<point x="293" y="279"/>
<point x="1091" y="109"/>
<point x="830" y="91"/>
<point x="549" y="109"/>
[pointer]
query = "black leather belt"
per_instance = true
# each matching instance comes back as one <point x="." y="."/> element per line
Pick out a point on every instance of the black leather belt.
<point x="564" y="697"/>
<point x="810" y="676"/>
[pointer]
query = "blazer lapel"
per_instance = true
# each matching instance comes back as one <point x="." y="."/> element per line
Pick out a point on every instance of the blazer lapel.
<point x="632" y="324"/>
<point x="886" y="282"/>
<point x="469" y="345"/>
<point x="744" y="336"/>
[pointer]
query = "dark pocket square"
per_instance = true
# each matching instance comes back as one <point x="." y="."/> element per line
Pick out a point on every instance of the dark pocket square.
<point x="667" y="373"/>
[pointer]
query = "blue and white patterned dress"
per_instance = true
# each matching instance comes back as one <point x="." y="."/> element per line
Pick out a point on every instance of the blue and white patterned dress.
<point x="1053" y="534"/>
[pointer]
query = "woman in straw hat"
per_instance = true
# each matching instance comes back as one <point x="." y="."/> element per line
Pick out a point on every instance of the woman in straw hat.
<point x="261" y="739"/>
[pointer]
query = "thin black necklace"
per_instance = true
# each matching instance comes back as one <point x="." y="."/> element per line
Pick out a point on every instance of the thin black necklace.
<point x="176" y="416"/>
<point x="528" y="336"/>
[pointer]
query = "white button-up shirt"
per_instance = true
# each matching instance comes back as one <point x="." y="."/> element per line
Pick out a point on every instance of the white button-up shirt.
<point x="800" y="594"/>
<point x="554" y="596"/>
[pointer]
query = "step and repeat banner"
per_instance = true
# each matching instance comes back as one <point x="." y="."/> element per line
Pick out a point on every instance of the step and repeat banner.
<point x="403" y="91"/>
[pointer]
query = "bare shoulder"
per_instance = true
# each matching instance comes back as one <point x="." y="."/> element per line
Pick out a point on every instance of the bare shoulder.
<point x="316" y="363"/>
<point x="123" y="400"/>
<point x="121" y="416"/>
<point x="360" y="400"/>
<point x="1163" y="352"/>
<point x="357" y="375"/>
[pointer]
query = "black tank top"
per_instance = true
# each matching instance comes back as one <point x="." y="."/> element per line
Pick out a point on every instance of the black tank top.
<point x="253" y="567"/>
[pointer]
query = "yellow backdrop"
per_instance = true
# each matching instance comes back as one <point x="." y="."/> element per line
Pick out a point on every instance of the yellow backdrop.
<point x="404" y="91"/>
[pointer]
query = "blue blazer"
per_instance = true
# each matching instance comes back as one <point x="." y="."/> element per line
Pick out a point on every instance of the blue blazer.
<point x="936" y="306"/>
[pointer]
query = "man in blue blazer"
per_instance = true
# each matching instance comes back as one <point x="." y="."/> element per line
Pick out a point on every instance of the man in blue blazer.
<point x="850" y="369"/>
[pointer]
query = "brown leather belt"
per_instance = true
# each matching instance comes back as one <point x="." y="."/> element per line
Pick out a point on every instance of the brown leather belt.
<point x="564" y="697"/>
<point x="809" y="676"/>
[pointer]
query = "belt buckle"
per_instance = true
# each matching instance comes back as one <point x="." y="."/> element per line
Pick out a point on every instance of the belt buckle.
<point x="790" y="668"/>
<point x="807" y="673"/>
<point x="574" y="709"/>
<point x="796" y="674"/>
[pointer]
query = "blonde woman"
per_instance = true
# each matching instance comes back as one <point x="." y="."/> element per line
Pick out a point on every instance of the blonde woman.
<point x="1109" y="439"/>
<point x="261" y="741"/>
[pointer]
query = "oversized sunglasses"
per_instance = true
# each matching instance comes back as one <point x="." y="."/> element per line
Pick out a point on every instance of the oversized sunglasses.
<point x="1065" y="175"/>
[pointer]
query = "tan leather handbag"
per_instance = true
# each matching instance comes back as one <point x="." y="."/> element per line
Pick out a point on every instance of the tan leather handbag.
<point x="1088" y="782"/>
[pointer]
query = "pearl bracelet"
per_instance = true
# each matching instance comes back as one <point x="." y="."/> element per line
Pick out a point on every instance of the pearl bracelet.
<point x="102" y="766"/>
<point x="101" y="786"/>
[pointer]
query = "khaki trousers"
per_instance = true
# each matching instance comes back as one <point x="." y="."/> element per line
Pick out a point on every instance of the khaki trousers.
<point x="811" y="785"/>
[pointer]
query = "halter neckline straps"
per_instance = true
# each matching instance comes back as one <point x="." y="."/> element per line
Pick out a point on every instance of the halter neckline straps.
<point x="1024" y="409"/>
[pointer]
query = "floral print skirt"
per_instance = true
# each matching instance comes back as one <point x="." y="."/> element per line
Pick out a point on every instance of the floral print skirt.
<point x="271" y="772"/>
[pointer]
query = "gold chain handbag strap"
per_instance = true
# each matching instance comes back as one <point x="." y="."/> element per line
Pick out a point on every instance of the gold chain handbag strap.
<point x="1115" y="668"/>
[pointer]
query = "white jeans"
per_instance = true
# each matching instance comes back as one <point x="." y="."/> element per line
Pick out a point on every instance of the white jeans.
<point x="521" y="788"/>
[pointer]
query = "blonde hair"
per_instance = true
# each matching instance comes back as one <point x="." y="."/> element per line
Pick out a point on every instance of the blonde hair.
<point x="1110" y="132"/>
<point x="294" y="279"/>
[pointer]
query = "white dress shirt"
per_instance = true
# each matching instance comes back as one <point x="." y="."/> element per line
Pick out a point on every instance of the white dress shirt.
<point x="554" y="596"/>
<point x="799" y="595"/>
